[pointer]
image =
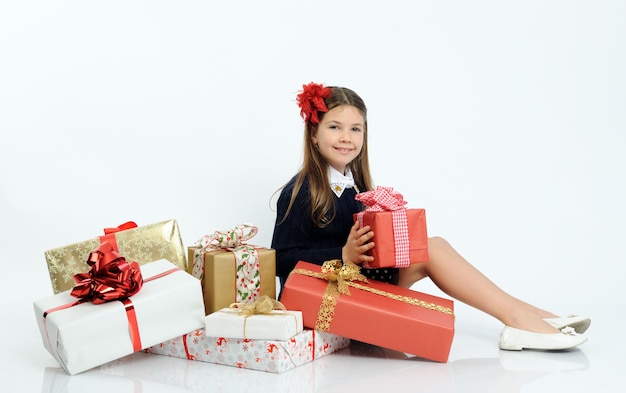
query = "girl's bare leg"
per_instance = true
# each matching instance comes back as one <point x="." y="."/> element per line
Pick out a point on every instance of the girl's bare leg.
<point x="459" y="279"/>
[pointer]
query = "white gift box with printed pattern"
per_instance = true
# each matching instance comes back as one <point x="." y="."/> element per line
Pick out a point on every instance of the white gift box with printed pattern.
<point x="264" y="355"/>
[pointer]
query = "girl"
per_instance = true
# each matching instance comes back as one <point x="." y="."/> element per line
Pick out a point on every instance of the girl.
<point x="315" y="223"/>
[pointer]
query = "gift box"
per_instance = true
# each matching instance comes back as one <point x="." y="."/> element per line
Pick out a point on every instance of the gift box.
<point x="336" y="298"/>
<point x="263" y="355"/>
<point x="82" y="334"/>
<point x="231" y="270"/>
<point x="399" y="234"/>
<point x="142" y="244"/>
<point x="278" y="325"/>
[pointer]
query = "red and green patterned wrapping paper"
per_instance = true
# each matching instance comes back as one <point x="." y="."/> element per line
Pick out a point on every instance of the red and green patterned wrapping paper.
<point x="425" y="330"/>
<point x="262" y="355"/>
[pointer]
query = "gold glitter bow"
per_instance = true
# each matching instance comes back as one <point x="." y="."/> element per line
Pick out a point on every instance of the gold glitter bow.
<point x="263" y="305"/>
<point x="340" y="277"/>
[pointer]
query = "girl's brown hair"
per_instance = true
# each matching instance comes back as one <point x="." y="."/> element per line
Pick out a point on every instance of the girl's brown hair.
<point x="315" y="168"/>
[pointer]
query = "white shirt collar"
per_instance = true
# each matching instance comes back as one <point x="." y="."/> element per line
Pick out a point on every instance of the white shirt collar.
<point x="338" y="181"/>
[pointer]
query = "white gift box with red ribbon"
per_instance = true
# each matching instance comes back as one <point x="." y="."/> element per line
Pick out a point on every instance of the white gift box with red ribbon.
<point x="87" y="335"/>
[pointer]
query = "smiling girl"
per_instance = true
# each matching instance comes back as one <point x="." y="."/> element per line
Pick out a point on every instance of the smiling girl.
<point x="315" y="223"/>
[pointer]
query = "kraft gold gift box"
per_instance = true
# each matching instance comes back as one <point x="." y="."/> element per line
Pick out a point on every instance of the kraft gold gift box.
<point x="142" y="244"/>
<point x="220" y="270"/>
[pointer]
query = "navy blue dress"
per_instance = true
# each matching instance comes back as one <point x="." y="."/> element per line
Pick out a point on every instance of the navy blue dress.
<point x="298" y="238"/>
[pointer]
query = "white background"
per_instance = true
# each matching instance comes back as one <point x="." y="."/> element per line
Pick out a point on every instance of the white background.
<point x="505" y="120"/>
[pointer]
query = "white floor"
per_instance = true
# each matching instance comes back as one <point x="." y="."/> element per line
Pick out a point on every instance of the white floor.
<point x="475" y="365"/>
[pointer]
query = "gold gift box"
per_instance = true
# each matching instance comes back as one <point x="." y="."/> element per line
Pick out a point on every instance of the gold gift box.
<point x="142" y="244"/>
<point x="220" y="272"/>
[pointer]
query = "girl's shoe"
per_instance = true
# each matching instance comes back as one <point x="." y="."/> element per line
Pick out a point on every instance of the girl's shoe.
<point x="580" y="324"/>
<point x="513" y="339"/>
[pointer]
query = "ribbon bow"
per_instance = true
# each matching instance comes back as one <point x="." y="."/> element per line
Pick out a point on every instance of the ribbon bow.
<point x="263" y="305"/>
<point x="111" y="277"/>
<point x="228" y="239"/>
<point x="382" y="199"/>
<point x="334" y="271"/>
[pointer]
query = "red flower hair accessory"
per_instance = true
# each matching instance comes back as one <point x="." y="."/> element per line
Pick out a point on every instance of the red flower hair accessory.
<point x="311" y="101"/>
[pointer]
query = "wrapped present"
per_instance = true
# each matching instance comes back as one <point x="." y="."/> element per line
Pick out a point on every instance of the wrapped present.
<point x="264" y="355"/>
<point x="336" y="298"/>
<point x="142" y="244"/>
<point x="399" y="233"/>
<point x="265" y="319"/>
<point x="232" y="271"/>
<point x="118" y="308"/>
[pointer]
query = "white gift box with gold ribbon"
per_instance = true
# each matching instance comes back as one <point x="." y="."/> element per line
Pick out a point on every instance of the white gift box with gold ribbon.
<point x="274" y="324"/>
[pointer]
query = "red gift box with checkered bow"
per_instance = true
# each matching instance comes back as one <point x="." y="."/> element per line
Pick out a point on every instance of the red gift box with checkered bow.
<point x="400" y="234"/>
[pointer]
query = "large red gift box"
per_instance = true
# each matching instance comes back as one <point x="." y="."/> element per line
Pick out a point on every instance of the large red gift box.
<point x="372" y="312"/>
<point x="400" y="234"/>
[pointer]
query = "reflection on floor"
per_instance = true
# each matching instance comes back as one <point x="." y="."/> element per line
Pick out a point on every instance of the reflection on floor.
<point x="361" y="367"/>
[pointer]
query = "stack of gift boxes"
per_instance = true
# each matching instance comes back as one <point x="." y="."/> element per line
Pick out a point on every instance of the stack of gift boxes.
<point x="136" y="289"/>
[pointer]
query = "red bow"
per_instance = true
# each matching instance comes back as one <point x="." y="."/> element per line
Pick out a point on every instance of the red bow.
<point x="382" y="199"/>
<point x="311" y="101"/>
<point x="111" y="277"/>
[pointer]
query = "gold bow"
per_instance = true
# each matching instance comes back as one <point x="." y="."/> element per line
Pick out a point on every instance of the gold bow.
<point x="263" y="305"/>
<point x="340" y="277"/>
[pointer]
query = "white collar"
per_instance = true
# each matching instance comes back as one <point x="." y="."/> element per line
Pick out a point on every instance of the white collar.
<point x="338" y="181"/>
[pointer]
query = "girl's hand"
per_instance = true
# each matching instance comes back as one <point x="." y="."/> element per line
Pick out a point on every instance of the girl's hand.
<point x="358" y="244"/>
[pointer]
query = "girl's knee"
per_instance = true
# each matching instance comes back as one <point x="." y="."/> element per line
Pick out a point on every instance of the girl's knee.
<point x="437" y="242"/>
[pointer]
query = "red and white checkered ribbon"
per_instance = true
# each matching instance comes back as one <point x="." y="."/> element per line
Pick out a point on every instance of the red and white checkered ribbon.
<point x="248" y="266"/>
<point x="386" y="199"/>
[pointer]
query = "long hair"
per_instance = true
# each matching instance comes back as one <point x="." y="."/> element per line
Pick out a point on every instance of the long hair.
<point x="315" y="168"/>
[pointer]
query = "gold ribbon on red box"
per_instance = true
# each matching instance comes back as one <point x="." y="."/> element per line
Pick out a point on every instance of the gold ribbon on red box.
<point x="340" y="277"/>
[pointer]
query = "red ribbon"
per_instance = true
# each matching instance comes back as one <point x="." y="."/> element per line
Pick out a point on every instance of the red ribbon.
<point x="382" y="199"/>
<point x="119" y="228"/>
<point x="111" y="277"/>
<point x="109" y="233"/>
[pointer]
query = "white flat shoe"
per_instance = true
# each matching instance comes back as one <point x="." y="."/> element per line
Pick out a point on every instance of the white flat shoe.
<point x="580" y="324"/>
<point x="513" y="339"/>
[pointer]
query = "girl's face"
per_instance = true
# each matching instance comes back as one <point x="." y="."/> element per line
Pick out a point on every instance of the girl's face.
<point x="339" y="136"/>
